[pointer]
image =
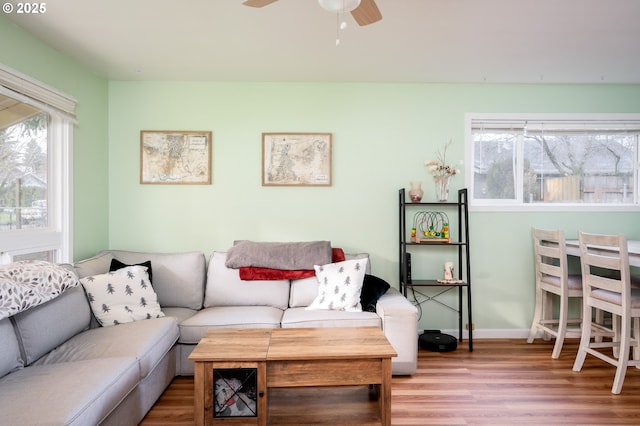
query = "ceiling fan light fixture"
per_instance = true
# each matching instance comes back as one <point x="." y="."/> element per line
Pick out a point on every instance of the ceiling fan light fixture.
<point x="336" y="6"/>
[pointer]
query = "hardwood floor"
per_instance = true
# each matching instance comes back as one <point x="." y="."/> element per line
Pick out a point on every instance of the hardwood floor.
<point x="504" y="381"/>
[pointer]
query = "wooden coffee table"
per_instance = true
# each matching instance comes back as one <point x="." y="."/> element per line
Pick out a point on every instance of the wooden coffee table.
<point x="293" y="376"/>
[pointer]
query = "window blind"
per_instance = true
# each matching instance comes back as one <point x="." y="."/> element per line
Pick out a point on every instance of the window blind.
<point x="37" y="94"/>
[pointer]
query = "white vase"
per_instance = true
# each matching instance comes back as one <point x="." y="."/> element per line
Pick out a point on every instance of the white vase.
<point x="442" y="187"/>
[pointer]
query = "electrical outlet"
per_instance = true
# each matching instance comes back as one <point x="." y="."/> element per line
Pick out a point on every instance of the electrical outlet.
<point x="473" y="326"/>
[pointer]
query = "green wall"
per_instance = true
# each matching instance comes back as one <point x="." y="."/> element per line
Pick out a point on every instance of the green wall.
<point x="382" y="134"/>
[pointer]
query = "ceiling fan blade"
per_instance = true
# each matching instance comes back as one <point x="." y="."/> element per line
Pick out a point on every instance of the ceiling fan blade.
<point x="367" y="13"/>
<point x="258" y="3"/>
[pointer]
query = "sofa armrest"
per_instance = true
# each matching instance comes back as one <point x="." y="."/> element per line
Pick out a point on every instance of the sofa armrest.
<point x="400" y="326"/>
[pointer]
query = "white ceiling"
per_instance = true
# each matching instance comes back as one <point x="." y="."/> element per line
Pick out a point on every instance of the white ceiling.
<point x="510" y="41"/>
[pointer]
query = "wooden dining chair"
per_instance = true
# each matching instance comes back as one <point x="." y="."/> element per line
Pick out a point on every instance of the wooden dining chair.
<point x="553" y="281"/>
<point x="606" y="284"/>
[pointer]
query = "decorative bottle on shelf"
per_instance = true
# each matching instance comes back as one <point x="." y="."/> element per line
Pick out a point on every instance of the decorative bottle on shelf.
<point x="415" y="192"/>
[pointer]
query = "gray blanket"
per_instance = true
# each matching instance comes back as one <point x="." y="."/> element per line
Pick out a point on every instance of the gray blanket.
<point x="286" y="256"/>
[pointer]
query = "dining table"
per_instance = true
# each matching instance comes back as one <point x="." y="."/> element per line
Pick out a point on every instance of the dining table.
<point x="633" y="247"/>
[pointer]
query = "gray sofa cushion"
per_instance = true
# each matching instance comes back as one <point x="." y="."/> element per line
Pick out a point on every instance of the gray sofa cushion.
<point x="75" y="393"/>
<point x="10" y="359"/>
<point x="303" y="291"/>
<point x="147" y="341"/>
<point x="98" y="264"/>
<point x="192" y="329"/>
<point x="300" y="317"/>
<point x="44" y="327"/>
<point x="178" y="278"/>
<point x="225" y="288"/>
<point x="180" y="314"/>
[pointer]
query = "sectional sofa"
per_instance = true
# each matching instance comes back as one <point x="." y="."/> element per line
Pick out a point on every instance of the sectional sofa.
<point x="59" y="366"/>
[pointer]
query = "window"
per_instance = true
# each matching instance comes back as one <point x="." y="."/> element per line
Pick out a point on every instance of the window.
<point x="36" y="124"/>
<point x="23" y="165"/>
<point x="553" y="162"/>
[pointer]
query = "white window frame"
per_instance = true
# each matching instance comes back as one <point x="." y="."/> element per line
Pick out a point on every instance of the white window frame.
<point x="482" y="205"/>
<point x="57" y="236"/>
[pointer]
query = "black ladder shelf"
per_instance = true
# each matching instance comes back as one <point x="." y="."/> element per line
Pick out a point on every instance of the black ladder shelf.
<point x="461" y="242"/>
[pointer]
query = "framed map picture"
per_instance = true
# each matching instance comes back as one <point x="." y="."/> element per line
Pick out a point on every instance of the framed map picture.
<point x="175" y="157"/>
<point x="296" y="159"/>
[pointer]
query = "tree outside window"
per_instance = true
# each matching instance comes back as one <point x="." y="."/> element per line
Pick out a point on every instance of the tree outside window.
<point x="23" y="172"/>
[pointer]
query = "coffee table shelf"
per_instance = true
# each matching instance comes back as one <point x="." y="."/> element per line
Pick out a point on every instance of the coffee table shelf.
<point x="324" y="406"/>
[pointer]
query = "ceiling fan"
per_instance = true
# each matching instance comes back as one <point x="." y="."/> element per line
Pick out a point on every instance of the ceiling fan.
<point x="365" y="12"/>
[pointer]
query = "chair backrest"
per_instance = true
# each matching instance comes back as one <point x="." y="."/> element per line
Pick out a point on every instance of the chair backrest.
<point x="605" y="266"/>
<point x="550" y="256"/>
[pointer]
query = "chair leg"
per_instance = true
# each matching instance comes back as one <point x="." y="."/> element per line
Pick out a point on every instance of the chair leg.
<point x="547" y="310"/>
<point x="623" y="359"/>
<point x="616" y="321"/>
<point x="585" y="338"/>
<point x="636" y="340"/>
<point x="562" y="327"/>
<point x="537" y="316"/>
<point x="599" y="320"/>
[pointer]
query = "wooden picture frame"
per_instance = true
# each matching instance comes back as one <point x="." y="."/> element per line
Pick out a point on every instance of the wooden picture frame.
<point x="296" y="159"/>
<point x="172" y="157"/>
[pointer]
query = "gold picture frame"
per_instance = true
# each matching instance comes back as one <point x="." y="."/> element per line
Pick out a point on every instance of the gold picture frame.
<point x="172" y="157"/>
<point x="296" y="159"/>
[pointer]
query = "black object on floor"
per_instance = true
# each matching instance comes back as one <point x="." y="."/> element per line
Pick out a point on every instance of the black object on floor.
<point x="435" y="341"/>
